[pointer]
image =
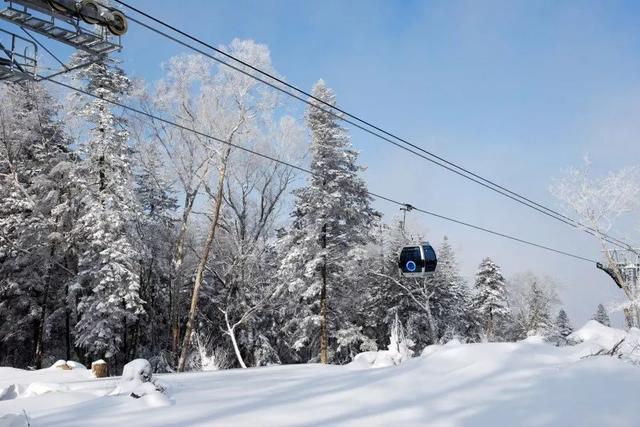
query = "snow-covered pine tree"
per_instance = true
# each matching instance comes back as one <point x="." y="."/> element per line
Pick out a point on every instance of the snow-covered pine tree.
<point x="333" y="221"/>
<point x="155" y="236"/>
<point x="538" y="321"/>
<point x="107" y="284"/>
<point x="602" y="316"/>
<point x="562" y="328"/>
<point x="33" y="151"/>
<point x="451" y="301"/>
<point x="490" y="299"/>
<point x="386" y="299"/>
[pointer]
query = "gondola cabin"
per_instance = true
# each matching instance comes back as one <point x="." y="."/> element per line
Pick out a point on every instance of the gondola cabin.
<point x="417" y="261"/>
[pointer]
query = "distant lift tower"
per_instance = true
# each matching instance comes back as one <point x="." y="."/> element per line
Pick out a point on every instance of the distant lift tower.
<point x="59" y="20"/>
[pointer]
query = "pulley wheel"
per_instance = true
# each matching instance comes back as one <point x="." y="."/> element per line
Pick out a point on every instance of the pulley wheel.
<point x="89" y="12"/>
<point x="118" y="24"/>
<point x="57" y="6"/>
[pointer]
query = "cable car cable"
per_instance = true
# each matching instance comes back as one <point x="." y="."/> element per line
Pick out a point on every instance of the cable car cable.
<point x="470" y="175"/>
<point x="525" y="201"/>
<point x="299" y="168"/>
<point x="580" y="226"/>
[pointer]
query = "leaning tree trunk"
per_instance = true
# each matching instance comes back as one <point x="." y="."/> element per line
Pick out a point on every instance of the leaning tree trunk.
<point x="231" y="331"/>
<point x="176" y="264"/>
<point x="203" y="262"/>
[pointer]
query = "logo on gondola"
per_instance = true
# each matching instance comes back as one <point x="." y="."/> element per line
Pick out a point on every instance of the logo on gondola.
<point x="411" y="266"/>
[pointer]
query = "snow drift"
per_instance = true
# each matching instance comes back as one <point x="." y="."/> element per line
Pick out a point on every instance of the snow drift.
<point x="529" y="383"/>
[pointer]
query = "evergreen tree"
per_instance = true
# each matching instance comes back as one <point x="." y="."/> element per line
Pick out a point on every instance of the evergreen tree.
<point x="490" y="299"/>
<point x="33" y="205"/>
<point x="385" y="298"/>
<point x="562" y="328"/>
<point x="602" y="316"/>
<point x="332" y="223"/>
<point x="107" y="284"/>
<point x="154" y="237"/>
<point x="538" y="321"/>
<point x="451" y="299"/>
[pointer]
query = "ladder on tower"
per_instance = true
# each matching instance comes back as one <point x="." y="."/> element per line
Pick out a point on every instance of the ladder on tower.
<point x="18" y="58"/>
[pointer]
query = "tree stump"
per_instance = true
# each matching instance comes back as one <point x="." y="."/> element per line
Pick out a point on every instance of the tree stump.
<point x="61" y="364"/>
<point x="100" y="369"/>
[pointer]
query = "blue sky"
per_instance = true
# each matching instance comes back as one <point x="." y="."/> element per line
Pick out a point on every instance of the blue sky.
<point x="516" y="91"/>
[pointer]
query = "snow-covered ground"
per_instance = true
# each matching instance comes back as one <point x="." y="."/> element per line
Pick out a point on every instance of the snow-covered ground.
<point x="529" y="383"/>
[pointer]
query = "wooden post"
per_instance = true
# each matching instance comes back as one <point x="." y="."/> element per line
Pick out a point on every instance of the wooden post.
<point x="100" y="369"/>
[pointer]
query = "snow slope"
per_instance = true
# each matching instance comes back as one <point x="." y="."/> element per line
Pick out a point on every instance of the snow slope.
<point x="529" y="383"/>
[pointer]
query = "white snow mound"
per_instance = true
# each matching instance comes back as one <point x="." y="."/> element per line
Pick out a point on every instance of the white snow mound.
<point x="13" y="420"/>
<point x="67" y="365"/>
<point x="596" y="332"/>
<point x="376" y="359"/>
<point x="135" y="375"/>
<point x="595" y="337"/>
<point x="527" y="383"/>
<point x="138" y="369"/>
<point x="137" y="382"/>
<point x="38" y="389"/>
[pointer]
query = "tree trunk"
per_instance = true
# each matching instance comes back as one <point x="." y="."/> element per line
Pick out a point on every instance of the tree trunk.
<point x="125" y="341"/>
<point x="232" y="334"/>
<point x="490" y="327"/>
<point x="324" y="338"/>
<point x="430" y="319"/>
<point x="203" y="262"/>
<point x="43" y="314"/>
<point x="134" y="340"/>
<point x="231" y="331"/>
<point x="67" y="323"/>
<point x="40" y="336"/>
<point x="176" y="264"/>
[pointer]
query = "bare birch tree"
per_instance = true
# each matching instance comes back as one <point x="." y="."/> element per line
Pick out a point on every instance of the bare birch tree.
<point x="598" y="203"/>
<point x="233" y="108"/>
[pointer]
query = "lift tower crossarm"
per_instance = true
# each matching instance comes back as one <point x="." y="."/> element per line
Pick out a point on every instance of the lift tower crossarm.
<point x="76" y="36"/>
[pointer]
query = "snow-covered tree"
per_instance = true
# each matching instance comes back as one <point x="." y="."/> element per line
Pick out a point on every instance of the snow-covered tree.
<point x="490" y="299"/>
<point x="245" y="259"/>
<point x="400" y="345"/>
<point x="187" y="161"/>
<point x="155" y="232"/>
<point x="539" y="321"/>
<point x="531" y="300"/>
<point x="107" y="284"/>
<point x="602" y="316"/>
<point x="386" y="299"/>
<point x="237" y="109"/>
<point x="436" y="308"/>
<point x="562" y="328"/>
<point x="34" y="208"/>
<point x="598" y="202"/>
<point x="451" y="301"/>
<point x="333" y="222"/>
